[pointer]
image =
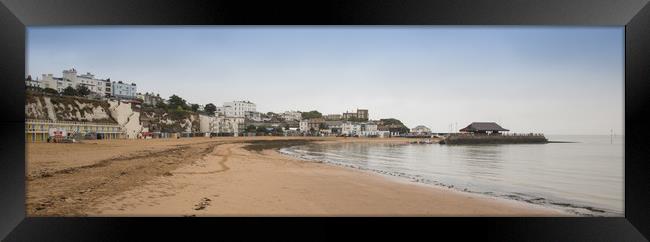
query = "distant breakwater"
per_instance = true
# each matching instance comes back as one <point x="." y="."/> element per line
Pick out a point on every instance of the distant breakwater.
<point x="495" y="139"/>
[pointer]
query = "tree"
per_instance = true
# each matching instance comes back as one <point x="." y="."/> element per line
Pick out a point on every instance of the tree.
<point x="69" y="91"/>
<point x="176" y="101"/>
<point x="394" y="125"/>
<point x="390" y="121"/>
<point x="82" y="91"/>
<point x="195" y="107"/>
<point x="311" y="114"/>
<point x="353" y="119"/>
<point x="162" y="105"/>
<point x="261" y="129"/>
<point x="210" y="108"/>
<point x="322" y="126"/>
<point x="251" y="128"/>
<point x="278" y="130"/>
<point x="177" y="114"/>
<point x="29" y="77"/>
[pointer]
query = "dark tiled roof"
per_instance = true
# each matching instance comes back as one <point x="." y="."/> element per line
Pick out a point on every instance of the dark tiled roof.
<point x="483" y="126"/>
<point x="334" y="123"/>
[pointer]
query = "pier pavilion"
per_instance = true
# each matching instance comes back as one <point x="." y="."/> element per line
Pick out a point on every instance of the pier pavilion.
<point x="483" y="128"/>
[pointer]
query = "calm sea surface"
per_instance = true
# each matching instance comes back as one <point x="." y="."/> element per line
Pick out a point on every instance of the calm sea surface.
<point x="584" y="178"/>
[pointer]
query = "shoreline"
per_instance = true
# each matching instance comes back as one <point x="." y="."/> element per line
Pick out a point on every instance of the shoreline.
<point x="539" y="202"/>
<point x="447" y="188"/>
<point x="231" y="180"/>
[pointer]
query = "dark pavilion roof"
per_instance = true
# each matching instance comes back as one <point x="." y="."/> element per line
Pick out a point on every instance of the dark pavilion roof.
<point x="483" y="126"/>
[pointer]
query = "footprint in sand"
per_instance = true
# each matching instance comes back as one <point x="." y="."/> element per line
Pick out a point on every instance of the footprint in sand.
<point x="205" y="202"/>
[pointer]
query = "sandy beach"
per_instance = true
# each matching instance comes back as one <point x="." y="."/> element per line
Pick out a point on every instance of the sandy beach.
<point x="231" y="177"/>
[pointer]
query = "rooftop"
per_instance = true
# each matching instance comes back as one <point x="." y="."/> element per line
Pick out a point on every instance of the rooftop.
<point x="483" y="126"/>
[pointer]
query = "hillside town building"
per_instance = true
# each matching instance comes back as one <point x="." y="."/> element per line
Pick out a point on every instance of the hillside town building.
<point x="312" y="124"/>
<point x="219" y="125"/>
<point x="150" y="99"/>
<point x="231" y="119"/>
<point x="124" y="90"/>
<point x="421" y="130"/>
<point x="292" y="116"/>
<point x="98" y="87"/>
<point x="29" y="82"/>
<point x="333" y="117"/>
<point x="239" y="109"/>
<point x="361" y="114"/>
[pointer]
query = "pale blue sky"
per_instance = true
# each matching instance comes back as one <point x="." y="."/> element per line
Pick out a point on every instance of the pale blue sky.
<point x="556" y="80"/>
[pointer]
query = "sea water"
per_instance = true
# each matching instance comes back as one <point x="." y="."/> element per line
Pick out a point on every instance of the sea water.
<point x="584" y="178"/>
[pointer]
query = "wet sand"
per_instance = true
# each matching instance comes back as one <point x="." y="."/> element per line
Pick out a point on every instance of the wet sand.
<point x="231" y="177"/>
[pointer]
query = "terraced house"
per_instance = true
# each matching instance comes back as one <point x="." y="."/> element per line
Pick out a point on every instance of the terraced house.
<point x="99" y="87"/>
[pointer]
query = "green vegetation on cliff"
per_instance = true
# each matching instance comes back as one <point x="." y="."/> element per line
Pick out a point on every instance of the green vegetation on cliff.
<point x="393" y="125"/>
<point x="311" y="114"/>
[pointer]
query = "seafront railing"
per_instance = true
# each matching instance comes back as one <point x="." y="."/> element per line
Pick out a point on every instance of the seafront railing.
<point x="47" y="121"/>
<point x="42" y="126"/>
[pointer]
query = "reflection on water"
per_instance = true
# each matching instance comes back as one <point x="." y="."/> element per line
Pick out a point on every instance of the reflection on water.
<point x="481" y="160"/>
<point x="585" y="178"/>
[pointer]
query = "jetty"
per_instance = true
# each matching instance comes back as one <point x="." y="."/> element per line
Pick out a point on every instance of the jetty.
<point x="491" y="133"/>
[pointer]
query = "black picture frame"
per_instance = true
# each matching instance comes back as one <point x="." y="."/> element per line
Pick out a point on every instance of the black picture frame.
<point x="15" y="15"/>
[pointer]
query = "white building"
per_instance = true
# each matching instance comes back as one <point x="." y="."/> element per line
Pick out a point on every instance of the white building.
<point x="207" y="123"/>
<point x="292" y="115"/>
<point x="124" y="90"/>
<point x="33" y="83"/>
<point x="255" y="116"/>
<point x="219" y="124"/>
<point x="304" y="125"/>
<point x="220" y="110"/>
<point x="370" y="129"/>
<point x="238" y="108"/>
<point x="383" y="134"/>
<point x="421" y="130"/>
<point x="350" y="129"/>
<point x="225" y="125"/>
<point x="362" y="129"/>
<point x="149" y="99"/>
<point x="56" y="83"/>
<point x="99" y="87"/>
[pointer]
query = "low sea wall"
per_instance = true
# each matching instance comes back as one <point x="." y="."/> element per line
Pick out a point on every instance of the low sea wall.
<point x="494" y="139"/>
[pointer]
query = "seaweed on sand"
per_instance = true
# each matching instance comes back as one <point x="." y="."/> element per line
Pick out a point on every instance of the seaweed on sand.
<point x="259" y="145"/>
